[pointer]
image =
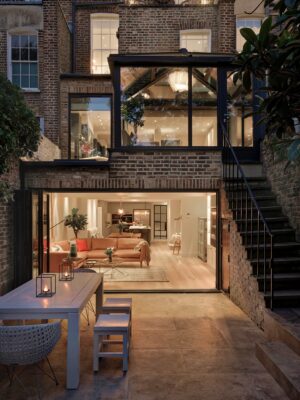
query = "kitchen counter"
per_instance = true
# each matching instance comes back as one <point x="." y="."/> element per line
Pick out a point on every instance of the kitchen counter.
<point x="143" y="229"/>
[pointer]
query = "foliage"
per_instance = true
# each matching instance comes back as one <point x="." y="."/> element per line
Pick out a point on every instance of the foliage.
<point x="19" y="129"/>
<point x="76" y="221"/>
<point x="132" y="112"/>
<point x="273" y="57"/>
<point x="6" y="192"/>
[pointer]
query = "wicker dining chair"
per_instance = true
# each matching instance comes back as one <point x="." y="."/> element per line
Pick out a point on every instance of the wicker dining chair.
<point x="89" y="305"/>
<point x="28" y="344"/>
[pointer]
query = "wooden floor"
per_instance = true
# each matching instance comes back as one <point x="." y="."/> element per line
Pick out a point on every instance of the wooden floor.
<point x="182" y="272"/>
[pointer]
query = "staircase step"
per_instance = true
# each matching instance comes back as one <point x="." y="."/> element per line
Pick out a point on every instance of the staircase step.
<point x="281" y="260"/>
<point x="249" y="179"/>
<point x="282" y="276"/>
<point x="281" y="281"/>
<point x="275" y="232"/>
<point x="283" y="364"/>
<point x="284" y="294"/>
<point x="282" y="245"/>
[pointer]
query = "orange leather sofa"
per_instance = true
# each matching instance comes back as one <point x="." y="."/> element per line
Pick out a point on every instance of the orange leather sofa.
<point x="129" y="249"/>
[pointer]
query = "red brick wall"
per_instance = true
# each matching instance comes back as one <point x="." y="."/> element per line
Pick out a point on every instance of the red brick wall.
<point x="64" y="37"/>
<point x="226" y="27"/>
<point x="146" y="29"/>
<point x="143" y="170"/>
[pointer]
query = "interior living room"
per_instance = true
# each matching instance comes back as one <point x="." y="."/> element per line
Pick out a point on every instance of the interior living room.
<point x="140" y="241"/>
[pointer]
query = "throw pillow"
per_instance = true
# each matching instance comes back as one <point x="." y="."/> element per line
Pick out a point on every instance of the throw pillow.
<point x="82" y="245"/>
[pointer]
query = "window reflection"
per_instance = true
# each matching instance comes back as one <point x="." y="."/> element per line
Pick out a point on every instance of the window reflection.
<point x="204" y="114"/>
<point x="154" y="106"/>
<point x="90" y="127"/>
<point x="239" y="113"/>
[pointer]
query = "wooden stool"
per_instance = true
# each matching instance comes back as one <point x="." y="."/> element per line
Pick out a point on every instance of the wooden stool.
<point x="111" y="324"/>
<point x="117" y="305"/>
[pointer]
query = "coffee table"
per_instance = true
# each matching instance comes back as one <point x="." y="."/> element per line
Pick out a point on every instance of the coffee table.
<point x="105" y="263"/>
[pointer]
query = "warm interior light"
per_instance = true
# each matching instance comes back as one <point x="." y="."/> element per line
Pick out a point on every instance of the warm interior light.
<point x="179" y="81"/>
<point x="120" y="211"/>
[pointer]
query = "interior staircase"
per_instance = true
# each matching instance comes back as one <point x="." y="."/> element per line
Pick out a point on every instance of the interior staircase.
<point x="285" y="249"/>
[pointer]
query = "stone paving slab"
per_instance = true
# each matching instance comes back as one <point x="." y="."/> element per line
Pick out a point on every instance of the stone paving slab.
<point x="184" y="347"/>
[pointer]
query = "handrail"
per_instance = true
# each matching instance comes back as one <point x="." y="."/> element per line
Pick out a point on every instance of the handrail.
<point x="233" y="175"/>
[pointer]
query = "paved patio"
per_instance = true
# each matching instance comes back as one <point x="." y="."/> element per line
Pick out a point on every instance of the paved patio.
<point x="185" y="347"/>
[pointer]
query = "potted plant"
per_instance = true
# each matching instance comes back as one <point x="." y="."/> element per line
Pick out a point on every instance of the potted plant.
<point x="132" y="112"/>
<point x="76" y="221"/>
<point x="109" y="252"/>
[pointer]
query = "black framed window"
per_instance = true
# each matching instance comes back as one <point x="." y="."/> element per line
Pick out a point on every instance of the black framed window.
<point x="169" y="106"/>
<point x="90" y="126"/>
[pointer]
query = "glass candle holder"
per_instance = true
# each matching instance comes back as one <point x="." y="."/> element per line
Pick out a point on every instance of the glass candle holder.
<point x="45" y="285"/>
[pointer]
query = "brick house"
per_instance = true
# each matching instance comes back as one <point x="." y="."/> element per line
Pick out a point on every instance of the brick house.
<point x="74" y="59"/>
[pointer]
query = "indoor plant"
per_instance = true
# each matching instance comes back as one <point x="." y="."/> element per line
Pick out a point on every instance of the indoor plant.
<point x="76" y="221"/>
<point x="132" y="111"/>
<point x="109" y="252"/>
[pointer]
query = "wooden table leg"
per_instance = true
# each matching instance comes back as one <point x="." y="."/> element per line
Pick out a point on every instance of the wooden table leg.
<point x="73" y="351"/>
<point x="99" y="297"/>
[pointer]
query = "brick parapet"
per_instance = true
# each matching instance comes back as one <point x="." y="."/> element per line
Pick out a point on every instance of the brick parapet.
<point x="176" y="171"/>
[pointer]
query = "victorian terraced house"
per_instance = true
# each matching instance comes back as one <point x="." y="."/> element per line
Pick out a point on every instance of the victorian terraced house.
<point x="135" y="100"/>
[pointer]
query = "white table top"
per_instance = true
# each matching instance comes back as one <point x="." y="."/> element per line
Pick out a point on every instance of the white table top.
<point x="70" y="296"/>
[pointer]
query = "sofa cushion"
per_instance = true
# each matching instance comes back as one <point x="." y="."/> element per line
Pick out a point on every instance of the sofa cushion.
<point x="82" y="245"/>
<point x="103" y="243"/>
<point x="64" y="244"/>
<point x="96" y="254"/>
<point x="82" y="254"/>
<point x="127" y="253"/>
<point x="127" y="243"/>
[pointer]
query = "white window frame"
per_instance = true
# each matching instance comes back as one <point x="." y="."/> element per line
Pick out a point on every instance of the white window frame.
<point x="237" y="29"/>
<point x="100" y="16"/>
<point x="196" y="32"/>
<point x="9" y="58"/>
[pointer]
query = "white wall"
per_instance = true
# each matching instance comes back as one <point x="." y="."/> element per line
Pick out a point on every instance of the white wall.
<point x="175" y="213"/>
<point x="191" y="210"/>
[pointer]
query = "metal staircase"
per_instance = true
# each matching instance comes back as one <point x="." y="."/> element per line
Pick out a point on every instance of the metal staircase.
<point x="266" y="232"/>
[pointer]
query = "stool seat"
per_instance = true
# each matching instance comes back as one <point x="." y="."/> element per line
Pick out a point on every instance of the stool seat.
<point x="118" y="302"/>
<point x="116" y="325"/>
<point x="112" y="322"/>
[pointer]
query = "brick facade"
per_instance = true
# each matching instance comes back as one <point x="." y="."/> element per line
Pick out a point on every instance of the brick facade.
<point x="143" y="171"/>
<point x="285" y="182"/>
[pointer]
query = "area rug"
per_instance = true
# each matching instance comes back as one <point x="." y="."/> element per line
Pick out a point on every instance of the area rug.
<point x="136" y="275"/>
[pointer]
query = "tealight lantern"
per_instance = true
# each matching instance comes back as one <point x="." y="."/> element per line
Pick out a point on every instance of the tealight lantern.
<point x="45" y="285"/>
<point x="66" y="271"/>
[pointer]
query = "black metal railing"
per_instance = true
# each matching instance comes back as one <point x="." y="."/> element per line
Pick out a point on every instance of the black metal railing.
<point x="248" y="215"/>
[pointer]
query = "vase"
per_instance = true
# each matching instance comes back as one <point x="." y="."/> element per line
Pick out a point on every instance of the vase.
<point x="73" y="250"/>
<point x="110" y="257"/>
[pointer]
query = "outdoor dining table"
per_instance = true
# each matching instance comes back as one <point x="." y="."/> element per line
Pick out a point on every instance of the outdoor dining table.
<point x="68" y="302"/>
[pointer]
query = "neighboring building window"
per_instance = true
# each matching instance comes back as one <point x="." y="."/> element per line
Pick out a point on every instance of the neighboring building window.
<point x="90" y="127"/>
<point x="23" y="60"/>
<point x="254" y="24"/>
<point x="196" y="40"/>
<point x="104" y="41"/>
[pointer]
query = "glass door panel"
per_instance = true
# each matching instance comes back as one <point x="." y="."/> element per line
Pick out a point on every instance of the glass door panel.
<point x="239" y="114"/>
<point x="204" y="103"/>
<point x="160" y="221"/>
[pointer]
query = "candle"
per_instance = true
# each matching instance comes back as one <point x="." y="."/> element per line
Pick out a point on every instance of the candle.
<point x="67" y="274"/>
<point x="46" y="289"/>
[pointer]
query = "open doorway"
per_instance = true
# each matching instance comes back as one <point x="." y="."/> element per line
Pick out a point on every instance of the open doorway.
<point x="159" y="241"/>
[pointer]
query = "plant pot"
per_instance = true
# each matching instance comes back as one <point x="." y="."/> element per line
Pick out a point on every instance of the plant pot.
<point x="110" y="257"/>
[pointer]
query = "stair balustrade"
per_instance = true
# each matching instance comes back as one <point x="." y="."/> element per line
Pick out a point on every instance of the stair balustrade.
<point x="248" y="214"/>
